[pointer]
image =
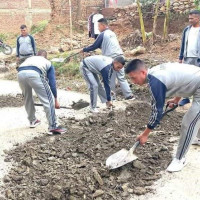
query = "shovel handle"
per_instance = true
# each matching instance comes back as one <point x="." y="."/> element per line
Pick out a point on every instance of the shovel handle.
<point x="135" y="145"/>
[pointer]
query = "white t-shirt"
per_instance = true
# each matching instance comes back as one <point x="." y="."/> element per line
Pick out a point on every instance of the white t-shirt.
<point x="96" y="17"/>
<point x="192" y="42"/>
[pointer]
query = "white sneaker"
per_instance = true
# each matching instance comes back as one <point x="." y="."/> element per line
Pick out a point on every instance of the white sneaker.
<point x="176" y="165"/>
<point x="35" y="123"/>
<point x="196" y="141"/>
<point x="94" y="110"/>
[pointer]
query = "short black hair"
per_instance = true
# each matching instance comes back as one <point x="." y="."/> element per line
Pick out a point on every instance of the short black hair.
<point x="120" y="59"/>
<point x="194" y="12"/>
<point x="23" y="26"/>
<point x="103" y="21"/>
<point x="133" y="65"/>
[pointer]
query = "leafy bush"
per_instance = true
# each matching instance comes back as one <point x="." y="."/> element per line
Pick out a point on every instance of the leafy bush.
<point x="69" y="69"/>
<point x="3" y="36"/>
<point x="39" y="27"/>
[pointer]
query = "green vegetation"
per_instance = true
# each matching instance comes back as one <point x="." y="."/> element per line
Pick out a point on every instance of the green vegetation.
<point x="39" y="27"/>
<point x="197" y="4"/>
<point x="68" y="69"/>
<point x="4" y="36"/>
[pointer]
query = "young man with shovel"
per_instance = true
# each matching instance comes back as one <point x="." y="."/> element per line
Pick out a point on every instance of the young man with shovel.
<point x="91" y="68"/>
<point x="37" y="73"/>
<point x="109" y="45"/>
<point x="165" y="80"/>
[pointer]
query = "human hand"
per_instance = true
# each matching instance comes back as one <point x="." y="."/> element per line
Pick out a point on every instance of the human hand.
<point x="109" y="104"/>
<point x="174" y="101"/>
<point x="142" y="138"/>
<point x="57" y="105"/>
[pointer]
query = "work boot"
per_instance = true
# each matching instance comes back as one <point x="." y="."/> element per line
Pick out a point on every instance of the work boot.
<point x="57" y="131"/>
<point x="35" y="123"/>
<point x="196" y="141"/>
<point x="184" y="102"/>
<point x="176" y="165"/>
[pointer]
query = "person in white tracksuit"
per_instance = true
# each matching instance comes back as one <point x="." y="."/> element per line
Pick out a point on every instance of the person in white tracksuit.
<point x="166" y="80"/>
<point x="37" y="73"/>
<point x="93" y="66"/>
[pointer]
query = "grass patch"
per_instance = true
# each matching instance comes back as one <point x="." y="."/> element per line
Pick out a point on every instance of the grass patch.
<point x="39" y="27"/>
<point x="68" y="69"/>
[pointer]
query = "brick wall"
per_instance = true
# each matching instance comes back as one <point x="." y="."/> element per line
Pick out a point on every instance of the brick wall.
<point x="13" y="13"/>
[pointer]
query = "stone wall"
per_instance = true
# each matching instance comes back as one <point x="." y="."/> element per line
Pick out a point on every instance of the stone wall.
<point x="180" y="6"/>
<point x="13" y="13"/>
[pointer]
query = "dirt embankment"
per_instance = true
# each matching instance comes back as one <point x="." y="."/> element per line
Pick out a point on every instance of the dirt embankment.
<point x="72" y="166"/>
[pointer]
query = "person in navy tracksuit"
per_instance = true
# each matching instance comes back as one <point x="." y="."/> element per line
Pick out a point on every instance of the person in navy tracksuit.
<point x="26" y="46"/>
<point x="166" y="80"/>
<point x="93" y="66"/>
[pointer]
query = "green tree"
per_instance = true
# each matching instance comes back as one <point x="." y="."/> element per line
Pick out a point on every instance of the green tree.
<point x="166" y="23"/>
<point x="141" y="22"/>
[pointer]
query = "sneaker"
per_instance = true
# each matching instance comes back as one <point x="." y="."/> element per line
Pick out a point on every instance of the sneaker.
<point x="94" y="110"/>
<point x="57" y="131"/>
<point x="196" y="141"/>
<point x="184" y="102"/>
<point x="176" y="165"/>
<point x="35" y="123"/>
<point x="130" y="98"/>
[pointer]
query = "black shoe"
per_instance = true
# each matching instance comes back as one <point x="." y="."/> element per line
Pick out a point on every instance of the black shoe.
<point x="130" y="97"/>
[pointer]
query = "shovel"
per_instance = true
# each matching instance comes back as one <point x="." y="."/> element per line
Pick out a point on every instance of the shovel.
<point x="65" y="107"/>
<point x="121" y="157"/>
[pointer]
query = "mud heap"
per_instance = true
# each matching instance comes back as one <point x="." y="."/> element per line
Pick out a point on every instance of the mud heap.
<point x="72" y="166"/>
<point x="10" y="101"/>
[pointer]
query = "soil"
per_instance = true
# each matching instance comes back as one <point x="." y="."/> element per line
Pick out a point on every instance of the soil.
<point x="72" y="166"/>
<point x="10" y="101"/>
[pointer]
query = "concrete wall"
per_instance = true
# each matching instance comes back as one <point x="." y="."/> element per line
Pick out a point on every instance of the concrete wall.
<point x="13" y="13"/>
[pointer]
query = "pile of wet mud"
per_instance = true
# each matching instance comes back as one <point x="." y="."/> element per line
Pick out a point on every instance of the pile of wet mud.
<point x="72" y="166"/>
<point x="11" y="101"/>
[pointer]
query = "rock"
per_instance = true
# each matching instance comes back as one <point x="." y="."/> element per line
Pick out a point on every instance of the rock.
<point x="124" y="175"/>
<point x="56" y="194"/>
<point x="98" y="193"/>
<point x="91" y="120"/>
<point x="138" y="50"/>
<point x="97" y="176"/>
<point x="125" y="187"/>
<point x="44" y="182"/>
<point x="139" y="190"/>
<point x="130" y="190"/>
<point x="163" y="148"/>
<point x="108" y="130"/>
<point x="17" y="178"/>
<point x="9" y="194"/>
<point x="6" y="179"/>
<point x="138" y="164"/>
<point x="128" y="113"/>
<point x="133" y="131"/>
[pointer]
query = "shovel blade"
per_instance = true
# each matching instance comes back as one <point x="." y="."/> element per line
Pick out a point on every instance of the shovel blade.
<point x="120" y="158"/>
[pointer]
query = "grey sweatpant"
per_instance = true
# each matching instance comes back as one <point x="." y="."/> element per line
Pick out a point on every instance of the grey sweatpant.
<point x="120" y="75"/>
<point x="30" y="79"/>
<point x="191" y="61"/>
<point x="94" y="85"/>
<point x="190" y="126"/>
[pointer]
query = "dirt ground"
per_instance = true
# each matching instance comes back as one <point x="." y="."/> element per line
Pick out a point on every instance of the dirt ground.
<point x="69" y="167"/>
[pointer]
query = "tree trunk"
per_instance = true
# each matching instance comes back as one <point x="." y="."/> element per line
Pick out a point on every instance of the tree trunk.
<point x="141" y="22"/>
<point x="155" y="20"/>
<point x="70" y="22"/>
<point x="79" y="10"/>
<point x="166" y="23"/>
